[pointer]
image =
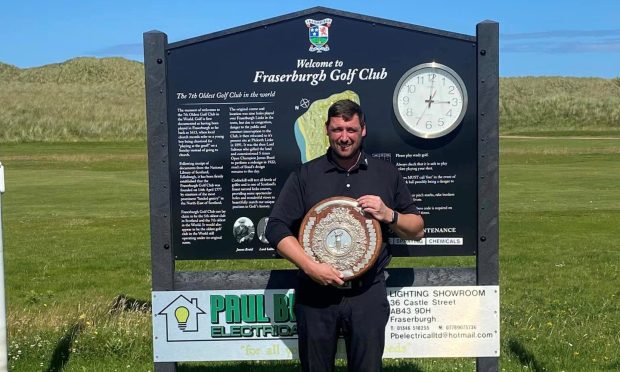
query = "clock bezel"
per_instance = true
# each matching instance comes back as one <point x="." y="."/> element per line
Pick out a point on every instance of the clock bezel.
<point x="405" y="77"/>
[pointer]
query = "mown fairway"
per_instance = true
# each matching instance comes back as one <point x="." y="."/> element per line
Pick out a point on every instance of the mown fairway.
<point x="560" y="218"/>
<point x="77" y="236"/>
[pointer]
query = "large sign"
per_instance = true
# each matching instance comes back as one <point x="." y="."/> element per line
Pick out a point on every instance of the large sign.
<point x="455" y="321"/>
<point x="247" y="107"/>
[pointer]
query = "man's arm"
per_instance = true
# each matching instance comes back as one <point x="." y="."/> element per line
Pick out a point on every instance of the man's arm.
<point x="321" y="273"/>
<point x="408" y="226"/>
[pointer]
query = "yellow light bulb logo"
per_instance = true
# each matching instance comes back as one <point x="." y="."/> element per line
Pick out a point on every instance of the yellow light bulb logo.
<point x="181" y="313"/>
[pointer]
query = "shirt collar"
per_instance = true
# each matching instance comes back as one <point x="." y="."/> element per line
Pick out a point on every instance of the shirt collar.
<point x="329" y="164"/>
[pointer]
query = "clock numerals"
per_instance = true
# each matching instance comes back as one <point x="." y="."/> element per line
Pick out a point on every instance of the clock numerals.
<point x="429" y="124"/>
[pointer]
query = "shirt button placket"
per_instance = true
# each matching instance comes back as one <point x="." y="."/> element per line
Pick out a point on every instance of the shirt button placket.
<point x="348" y="184"/>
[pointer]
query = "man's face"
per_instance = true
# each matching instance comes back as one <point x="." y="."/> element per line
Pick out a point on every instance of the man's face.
<point x="345" y="137"/>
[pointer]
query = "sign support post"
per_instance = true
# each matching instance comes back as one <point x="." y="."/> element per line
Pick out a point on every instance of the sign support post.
<point x="487" y="257"/>
<point x="162" y="255"/>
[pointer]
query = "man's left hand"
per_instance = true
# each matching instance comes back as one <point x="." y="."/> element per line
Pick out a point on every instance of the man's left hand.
<point x="374" y="206"/>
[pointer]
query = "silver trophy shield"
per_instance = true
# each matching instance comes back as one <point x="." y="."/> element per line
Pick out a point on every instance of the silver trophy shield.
<point x="336" y="231"/>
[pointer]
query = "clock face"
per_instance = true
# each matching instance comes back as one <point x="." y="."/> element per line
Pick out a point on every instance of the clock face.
<point x="430" y="100"/>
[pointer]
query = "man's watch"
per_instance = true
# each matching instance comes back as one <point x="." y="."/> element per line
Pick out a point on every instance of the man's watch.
<point x="394" y="217"/>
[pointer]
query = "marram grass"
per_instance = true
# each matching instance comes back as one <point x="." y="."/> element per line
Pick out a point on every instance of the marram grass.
<point x="89" y="99"/>
<point x="554" y="105"/>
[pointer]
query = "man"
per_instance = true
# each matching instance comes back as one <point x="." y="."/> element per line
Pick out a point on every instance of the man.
<point x="242" y="232"/>
<point x="323" y="305"/>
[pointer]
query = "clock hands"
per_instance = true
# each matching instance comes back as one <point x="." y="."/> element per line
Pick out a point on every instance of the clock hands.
<point x="430" y="99"/>
<point x="431" y="94"/>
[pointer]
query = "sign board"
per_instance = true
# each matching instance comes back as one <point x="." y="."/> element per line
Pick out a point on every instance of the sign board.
<point x="247" y="106"/>
<point x="454" y="321"/>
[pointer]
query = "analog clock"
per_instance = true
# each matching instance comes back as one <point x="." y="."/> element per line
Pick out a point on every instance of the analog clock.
<point x="430" y="100"/>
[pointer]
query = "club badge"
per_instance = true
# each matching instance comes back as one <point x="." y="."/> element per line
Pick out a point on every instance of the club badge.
<point x="318" y="33"/>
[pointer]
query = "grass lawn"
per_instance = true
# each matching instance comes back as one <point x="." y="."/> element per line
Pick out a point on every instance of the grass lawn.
<point x="76" y="237"/>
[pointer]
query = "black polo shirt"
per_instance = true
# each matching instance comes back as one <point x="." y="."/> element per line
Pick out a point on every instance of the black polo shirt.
<point x="323" y="178"/>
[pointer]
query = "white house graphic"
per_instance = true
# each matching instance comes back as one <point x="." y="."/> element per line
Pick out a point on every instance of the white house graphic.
<point x="181" y="318"/>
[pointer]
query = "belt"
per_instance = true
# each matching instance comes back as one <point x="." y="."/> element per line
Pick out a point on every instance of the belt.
<point x="362" y="282"/>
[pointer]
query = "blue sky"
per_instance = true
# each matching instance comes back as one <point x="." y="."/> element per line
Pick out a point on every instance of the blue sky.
<point x="555" y="37"/>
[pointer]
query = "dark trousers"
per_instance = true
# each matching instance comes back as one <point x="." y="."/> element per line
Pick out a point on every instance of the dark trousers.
<point x="360" y="314"/>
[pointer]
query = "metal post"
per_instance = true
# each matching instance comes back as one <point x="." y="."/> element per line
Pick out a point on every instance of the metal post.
<point x="3" y="341"/>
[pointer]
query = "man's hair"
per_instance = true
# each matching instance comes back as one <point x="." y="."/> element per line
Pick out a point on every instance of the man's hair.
<point x="345" y="109"/>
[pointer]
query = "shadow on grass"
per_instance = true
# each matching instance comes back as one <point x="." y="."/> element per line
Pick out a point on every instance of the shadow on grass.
<point x="615" y="366"/>
<point x="123" y="303"/>
<point x="62" y="351"/>
<point x="525" y="357"/>
<point x="405" y="366"/>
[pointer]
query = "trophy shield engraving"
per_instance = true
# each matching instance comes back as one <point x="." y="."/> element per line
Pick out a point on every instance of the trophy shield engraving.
<point x="337" y="232"/>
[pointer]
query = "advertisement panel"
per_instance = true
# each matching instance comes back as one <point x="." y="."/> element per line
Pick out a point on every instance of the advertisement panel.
<point x="454" y="321"/>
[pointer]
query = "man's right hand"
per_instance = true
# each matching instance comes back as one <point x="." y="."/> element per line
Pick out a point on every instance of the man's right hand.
<point x="324" y="274"/>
